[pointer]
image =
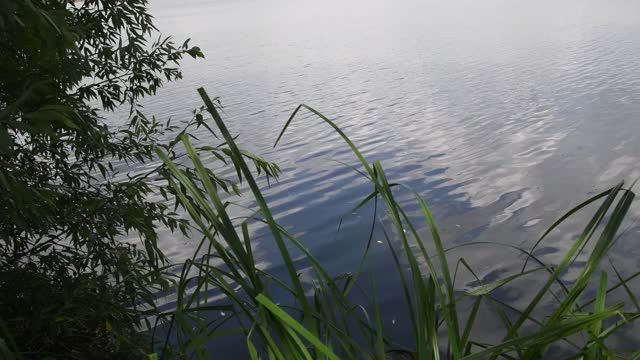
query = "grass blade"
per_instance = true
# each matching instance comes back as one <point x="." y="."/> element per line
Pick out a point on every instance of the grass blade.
<point x="292" y="323"/>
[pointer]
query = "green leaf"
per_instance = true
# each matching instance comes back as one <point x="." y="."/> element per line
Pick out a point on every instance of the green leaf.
<point x="43" y="119"/>
<point x="487" y="288"/>
<point x="195" y="52"/>
<point x="292" y="323"/>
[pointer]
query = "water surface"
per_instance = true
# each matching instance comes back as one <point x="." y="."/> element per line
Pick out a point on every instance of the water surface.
<point x="501" y="113"/>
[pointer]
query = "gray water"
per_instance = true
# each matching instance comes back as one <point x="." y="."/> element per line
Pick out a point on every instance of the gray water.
<point x="501" y="113"/>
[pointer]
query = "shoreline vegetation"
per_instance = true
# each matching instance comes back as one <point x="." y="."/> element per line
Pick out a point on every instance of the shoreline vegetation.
<point x="328" y="325"/>
<point x="72" y="289"/>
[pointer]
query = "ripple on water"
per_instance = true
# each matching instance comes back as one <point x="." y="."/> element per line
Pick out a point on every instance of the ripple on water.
<point x="502" y="115"/>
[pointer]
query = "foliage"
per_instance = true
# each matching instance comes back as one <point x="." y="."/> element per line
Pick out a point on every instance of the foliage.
<point x="69" y="283"/>
<point x="72" y="287"/>
<point x="57" y="152"/>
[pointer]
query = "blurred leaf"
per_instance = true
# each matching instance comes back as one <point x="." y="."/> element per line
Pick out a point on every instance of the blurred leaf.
<point x="6" y="142"/>
<point x="195" y="52"/>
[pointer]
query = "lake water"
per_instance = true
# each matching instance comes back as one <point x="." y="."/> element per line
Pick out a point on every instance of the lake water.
<point x="501" y="113"/>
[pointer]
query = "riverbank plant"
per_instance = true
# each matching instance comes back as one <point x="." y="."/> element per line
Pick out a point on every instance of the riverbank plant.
<point x="320" y="321"/>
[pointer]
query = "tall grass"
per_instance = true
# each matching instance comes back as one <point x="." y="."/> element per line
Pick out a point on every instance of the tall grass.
<point x="320" y="321"/>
